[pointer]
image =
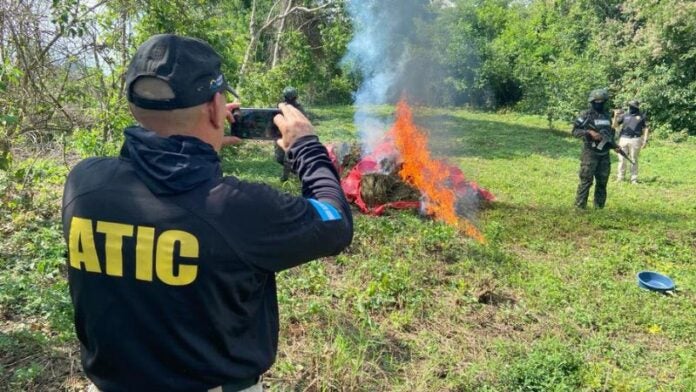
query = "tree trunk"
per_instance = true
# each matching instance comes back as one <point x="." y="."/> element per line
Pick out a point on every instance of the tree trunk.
<point x="252" y="42"/>
<point x="124" y="51"/>
<point x="255" y="31"/>
<point x="279" y="35"/>
<point x="3" y="15"/>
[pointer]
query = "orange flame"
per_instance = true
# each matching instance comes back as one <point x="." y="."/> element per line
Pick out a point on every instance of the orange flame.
<point x="425" y="173"/>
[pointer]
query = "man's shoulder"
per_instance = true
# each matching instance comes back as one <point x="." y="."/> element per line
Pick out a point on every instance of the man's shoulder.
<point x="93" y="162"/>
<point x="582" y="117"/>
<point x="584" y="113"/>
<point x="247" y="194"/>
<point x="593" y="114"/>
<point x="633" y="117"/>
<point x="93" y="167"/>
<point x="255" y="204"/>
<point x="88" y="175"/>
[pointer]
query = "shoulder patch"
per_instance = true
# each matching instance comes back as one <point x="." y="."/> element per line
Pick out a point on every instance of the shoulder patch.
<point x="326" y="211"/>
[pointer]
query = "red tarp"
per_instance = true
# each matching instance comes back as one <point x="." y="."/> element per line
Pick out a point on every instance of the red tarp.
<point x="370" y="164"/>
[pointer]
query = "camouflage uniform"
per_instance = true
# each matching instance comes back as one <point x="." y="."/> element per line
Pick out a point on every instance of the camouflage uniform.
<point x="595" y="161"/>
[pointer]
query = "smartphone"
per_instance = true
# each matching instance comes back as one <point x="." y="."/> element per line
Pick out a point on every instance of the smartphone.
<point x="255" y="123"/>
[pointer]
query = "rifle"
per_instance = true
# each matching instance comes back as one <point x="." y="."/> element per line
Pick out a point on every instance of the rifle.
<point x="608" y="140"/>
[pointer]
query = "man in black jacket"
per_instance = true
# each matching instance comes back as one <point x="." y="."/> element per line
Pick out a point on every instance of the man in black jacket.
<point x="171" y="264"/>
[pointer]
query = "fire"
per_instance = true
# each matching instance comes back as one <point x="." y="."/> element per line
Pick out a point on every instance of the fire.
<point x="427" y="174"/>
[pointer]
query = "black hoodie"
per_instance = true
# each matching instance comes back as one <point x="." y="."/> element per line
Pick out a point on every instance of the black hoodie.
<point x="172" y="265"/>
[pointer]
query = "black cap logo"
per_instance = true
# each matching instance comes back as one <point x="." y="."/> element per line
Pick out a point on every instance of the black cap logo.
<point x="157" y="52"/>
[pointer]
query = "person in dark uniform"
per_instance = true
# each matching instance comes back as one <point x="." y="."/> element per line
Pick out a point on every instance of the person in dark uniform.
<point x="594" y="127"/>
<point x="171" y="265"/>
<point x="632" y="138"/>
<point x="290" y="97"/>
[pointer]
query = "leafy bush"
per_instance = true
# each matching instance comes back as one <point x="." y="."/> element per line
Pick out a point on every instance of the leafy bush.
<point x="90" y="142"/>
<point x="661" y="131"/>
<point x="679" y="137"/>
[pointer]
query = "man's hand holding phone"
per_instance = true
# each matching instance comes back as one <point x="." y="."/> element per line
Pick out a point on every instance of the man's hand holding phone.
<point x="292" y="125"/>
<point x="284" y="124"/>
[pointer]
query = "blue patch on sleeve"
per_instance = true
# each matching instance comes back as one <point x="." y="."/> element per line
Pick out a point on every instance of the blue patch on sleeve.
<point x="326" y="211"/>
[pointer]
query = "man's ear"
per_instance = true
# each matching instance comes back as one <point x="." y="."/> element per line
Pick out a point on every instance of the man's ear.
<point x="216" y="111"/>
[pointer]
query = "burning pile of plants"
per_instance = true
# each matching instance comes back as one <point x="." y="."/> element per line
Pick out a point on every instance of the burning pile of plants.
<point x="400" y="173"/>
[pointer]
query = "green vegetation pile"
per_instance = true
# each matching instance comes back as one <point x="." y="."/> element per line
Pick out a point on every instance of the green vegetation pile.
<point x="382" y="188"/>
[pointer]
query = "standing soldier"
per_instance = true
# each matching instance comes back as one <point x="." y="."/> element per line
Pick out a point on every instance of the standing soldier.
<point x="632" y="138"/>
<point x="290" y="97"/>
<point x="594" y="126"/>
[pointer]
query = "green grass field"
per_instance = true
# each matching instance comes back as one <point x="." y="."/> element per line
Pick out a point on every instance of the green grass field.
<point x="548" y="303"/>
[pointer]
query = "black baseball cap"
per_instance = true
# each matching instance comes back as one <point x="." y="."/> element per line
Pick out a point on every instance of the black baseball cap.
<point x="189" y="66"/>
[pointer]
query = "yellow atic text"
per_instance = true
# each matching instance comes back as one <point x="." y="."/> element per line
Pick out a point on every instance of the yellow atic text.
<point x="153" y="256"/>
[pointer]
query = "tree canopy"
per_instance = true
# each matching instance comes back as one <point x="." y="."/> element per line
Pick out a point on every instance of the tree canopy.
<point x="62" y="61"/>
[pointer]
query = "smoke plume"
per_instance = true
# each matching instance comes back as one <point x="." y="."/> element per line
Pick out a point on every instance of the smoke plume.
<point x="395" y="49"/>
<point x="382" y="53"/>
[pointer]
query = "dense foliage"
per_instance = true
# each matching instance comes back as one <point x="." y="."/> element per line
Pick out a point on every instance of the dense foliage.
<point x="62" y="61"/>
<point x="544" y="56"/>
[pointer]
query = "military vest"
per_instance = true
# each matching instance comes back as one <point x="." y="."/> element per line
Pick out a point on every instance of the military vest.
<point x="633" y="125"/>
<point x="599" y="122"/>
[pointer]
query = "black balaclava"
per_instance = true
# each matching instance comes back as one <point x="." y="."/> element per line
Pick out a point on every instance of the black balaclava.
<point x="633" y="110"/>
<point x="598" y="106"/>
